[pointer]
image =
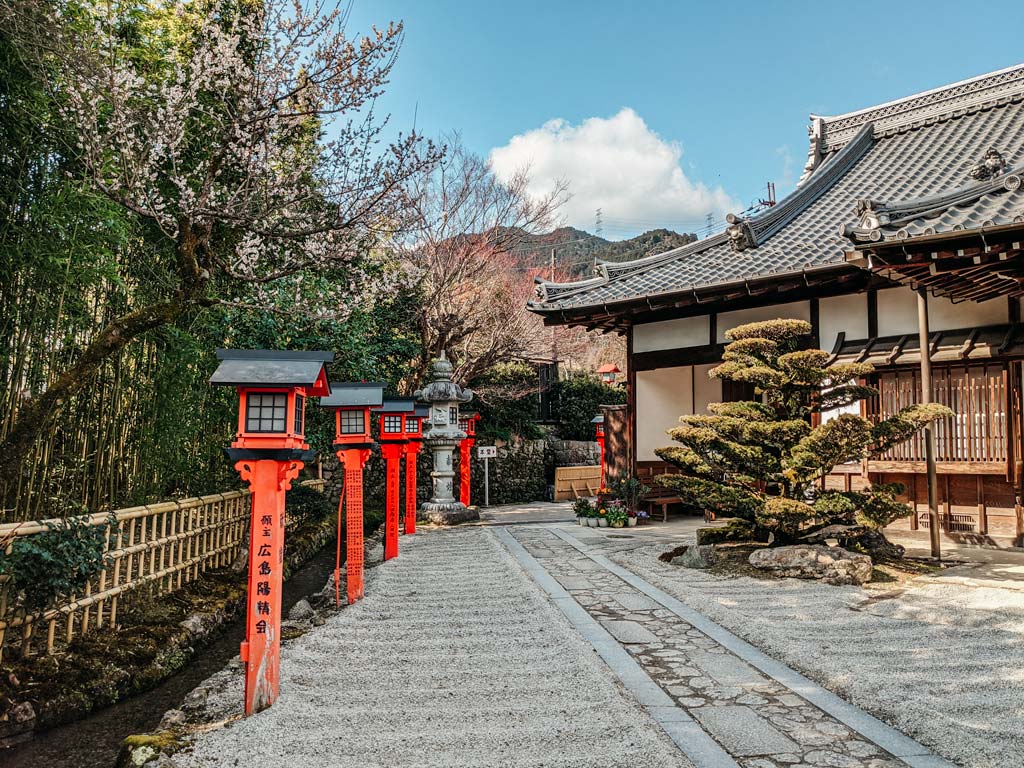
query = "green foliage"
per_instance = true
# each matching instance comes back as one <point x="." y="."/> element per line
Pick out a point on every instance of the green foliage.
<point x="734" y="529"/>
<point x="505" y="411"/>
<point x="761" y="461"/>
<point x="582" y="507"/>
<point x="629" y="489"/>
<point x="56" y="562"/>
<point x="305" y="504"/>
<point x="615" y="511"/>
<point x="577" y="400"/>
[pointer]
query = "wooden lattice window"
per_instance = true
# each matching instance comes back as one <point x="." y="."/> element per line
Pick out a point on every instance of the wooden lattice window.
<point x="978" y="397"/>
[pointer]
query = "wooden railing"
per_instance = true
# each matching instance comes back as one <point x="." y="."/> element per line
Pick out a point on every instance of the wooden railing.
<point x="164" y="546"/>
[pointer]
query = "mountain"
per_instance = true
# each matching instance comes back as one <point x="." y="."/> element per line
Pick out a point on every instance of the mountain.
<point x="576" y="250"/>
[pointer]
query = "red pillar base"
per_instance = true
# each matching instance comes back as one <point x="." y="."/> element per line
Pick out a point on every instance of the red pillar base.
<point x="261" y="652"/>
<point x="411" y="452"/>
<point x="353" y="460"/>
<point x="392" y="453"/>
<point x="465" y="453"/>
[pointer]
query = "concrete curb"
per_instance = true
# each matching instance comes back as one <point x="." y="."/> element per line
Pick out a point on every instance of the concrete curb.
<point x="692" y="740"/>
<point x="885" y="736"/>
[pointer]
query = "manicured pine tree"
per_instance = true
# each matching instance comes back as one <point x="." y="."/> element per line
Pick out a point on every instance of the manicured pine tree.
<point x="761" y="461"/>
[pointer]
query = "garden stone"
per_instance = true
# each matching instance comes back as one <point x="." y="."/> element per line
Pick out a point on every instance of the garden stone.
<point x="301" y="611"/>
<point x="832" y="565"/>
<point x="173" y="718"/>
<point x="698" y="556"/>
<point x="22" y="712"/>
<point x="373" y="553"/>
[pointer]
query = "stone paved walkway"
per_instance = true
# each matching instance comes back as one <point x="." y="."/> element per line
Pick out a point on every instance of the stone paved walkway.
<point x="757" y="720"/>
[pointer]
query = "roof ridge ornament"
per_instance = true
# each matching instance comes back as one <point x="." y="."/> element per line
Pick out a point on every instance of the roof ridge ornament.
<point x="741" y="234"/>
<point x="814" y="132"/>
<point x="992" y="165"/>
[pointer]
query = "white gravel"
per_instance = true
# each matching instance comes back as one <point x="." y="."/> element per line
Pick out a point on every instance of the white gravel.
<point x="454" y="658"/>
<point x="943" y="663"/>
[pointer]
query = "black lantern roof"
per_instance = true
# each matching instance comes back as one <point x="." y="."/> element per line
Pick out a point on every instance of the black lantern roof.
<point x="270" y="368"/>
<point x="397" y="405"/>
<point x="363" y="394"/>
<point x="422" y="410"/>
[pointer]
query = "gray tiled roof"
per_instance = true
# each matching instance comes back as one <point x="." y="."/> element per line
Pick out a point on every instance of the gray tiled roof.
<point x="355" y="394"/>
<point x="923" y="146"/>
<point x="987" y="203"/>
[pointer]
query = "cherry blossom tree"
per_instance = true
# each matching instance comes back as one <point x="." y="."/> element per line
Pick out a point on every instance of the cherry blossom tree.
<point x="461" y="255"/>
<point x="242" y="134"/>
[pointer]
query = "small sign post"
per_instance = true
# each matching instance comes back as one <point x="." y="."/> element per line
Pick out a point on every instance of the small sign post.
<point x="487" y="452"/>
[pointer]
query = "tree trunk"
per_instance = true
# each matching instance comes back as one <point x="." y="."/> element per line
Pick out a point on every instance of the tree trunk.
<point x="39" y="412"/>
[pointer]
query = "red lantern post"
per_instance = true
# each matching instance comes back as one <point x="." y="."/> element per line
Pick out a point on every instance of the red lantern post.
<point x="467" y="423"/>
<point x="598" y="422"/>
<point x="352" y="444"/>
<point x="269" y="451"/>
<point x="393" y="441"/>
<point x="414" y="430"/>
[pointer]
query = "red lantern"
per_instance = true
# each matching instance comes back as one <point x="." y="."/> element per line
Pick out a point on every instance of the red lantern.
<point x="352" y="443"/>
<point x="268" y="451"/>
<point x="414" y="430"/>
<point x="467" y="423"/>
<point x="393" y="439"/>
<point x="598" y="422"/>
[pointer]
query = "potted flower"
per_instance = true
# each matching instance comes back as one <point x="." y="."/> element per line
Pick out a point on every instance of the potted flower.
<point x="642" y="517"/>
<point x="582" y="508"/>
<point x="602" y="517"/>
<point x="616" y="514"/>
<point x="631" y="518"/>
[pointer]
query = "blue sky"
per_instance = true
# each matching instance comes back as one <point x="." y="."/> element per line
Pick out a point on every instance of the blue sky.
<point x="669" y="109"/>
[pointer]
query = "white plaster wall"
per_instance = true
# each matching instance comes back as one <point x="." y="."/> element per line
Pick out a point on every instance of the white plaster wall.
<point x="670" y="334"/>
<point x="897" y="313"/>
<point x="837" y="314"/>
<point x="662" y="396"/>
<point x="944" y="315"/>
<point x="797" y="310"/>
<point x="705" y="389"/>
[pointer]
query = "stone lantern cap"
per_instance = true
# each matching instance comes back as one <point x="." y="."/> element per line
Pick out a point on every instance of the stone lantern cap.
<point x="441" y="388"/>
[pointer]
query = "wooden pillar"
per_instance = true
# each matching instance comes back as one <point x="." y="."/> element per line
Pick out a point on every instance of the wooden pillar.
<point x="392" y="453"/>
<point x="929" y="432"/>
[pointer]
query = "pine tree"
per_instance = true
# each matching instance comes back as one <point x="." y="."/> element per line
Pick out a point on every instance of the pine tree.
<point x="762" y="461"/>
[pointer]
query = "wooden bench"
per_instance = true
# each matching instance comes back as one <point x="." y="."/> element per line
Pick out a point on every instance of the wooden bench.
<point x="662" y="500"/>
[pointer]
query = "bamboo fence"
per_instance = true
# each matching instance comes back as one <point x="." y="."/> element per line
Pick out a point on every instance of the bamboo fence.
<point x="163" y="546"/>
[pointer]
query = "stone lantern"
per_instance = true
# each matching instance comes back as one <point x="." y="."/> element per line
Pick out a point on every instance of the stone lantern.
<point x="442" y="436"/>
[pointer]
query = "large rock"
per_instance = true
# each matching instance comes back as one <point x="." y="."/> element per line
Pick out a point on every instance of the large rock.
<point x="301" y="611"/>
<point x="833" y="565"/>
<point x="696" y="556"/>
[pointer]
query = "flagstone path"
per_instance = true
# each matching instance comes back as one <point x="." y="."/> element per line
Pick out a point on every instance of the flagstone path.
<point x="525" y="646"/>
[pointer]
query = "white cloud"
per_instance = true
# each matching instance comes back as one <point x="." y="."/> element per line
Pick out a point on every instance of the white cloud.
<point x="617" y="164"/>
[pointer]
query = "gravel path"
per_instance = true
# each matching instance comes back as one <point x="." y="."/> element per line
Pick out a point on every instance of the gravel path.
<point x="454" y="658"/>
<point x="943" y="663"/>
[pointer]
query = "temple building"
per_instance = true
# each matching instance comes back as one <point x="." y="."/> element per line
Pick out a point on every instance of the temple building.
<point x="916" y="196"/>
